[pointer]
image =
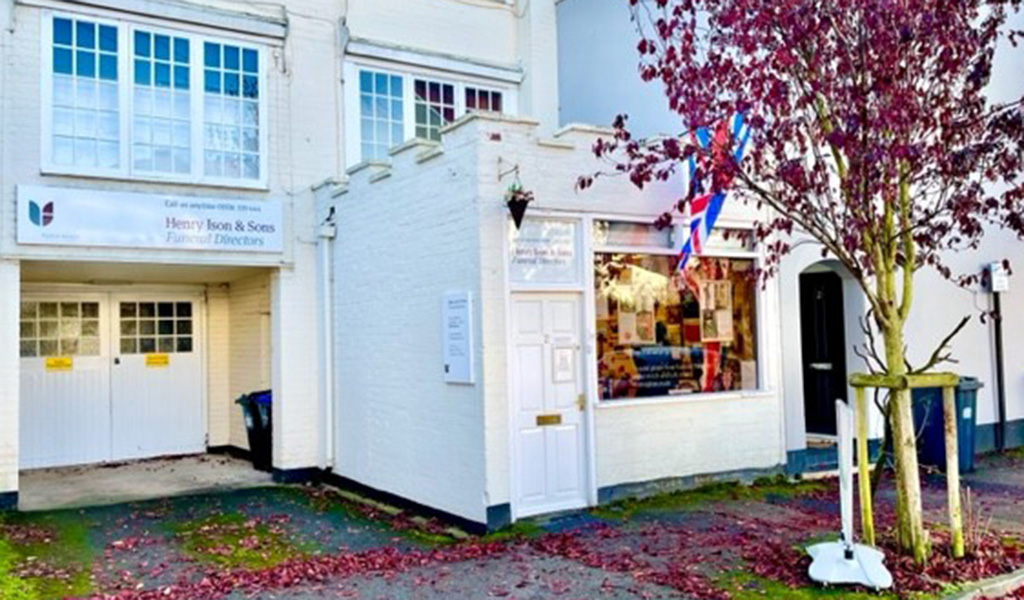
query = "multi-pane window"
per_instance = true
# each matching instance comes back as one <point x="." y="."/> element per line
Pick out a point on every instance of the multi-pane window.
<point x="435" y="108"/>
<point x="60" y="329"/>
<point x="192" y="110"/>
<point x="86" y="121"/>
<point x="161" y="116"/>
<point x="148" y="327"/>
<point x="394" y="107"/>
<point x="481" y="99"/>
<point x="380" y="113"/>
<point x="231" y="135"/>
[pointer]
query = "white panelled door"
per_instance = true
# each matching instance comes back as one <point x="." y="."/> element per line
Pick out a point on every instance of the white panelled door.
<point x="548" y="397"/>
<point x="107" y="377"/>
<point x="65" y="381"/>
<point x="156" y="391"/>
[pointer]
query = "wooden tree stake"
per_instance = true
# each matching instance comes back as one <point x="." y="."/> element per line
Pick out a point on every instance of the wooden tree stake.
<point x="953" y="472"/>
<point x="867" y="520"/>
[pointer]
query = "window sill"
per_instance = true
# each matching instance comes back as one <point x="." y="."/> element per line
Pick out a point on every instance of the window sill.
<point x="687" y="398"/>
<point x="49" y="171"/>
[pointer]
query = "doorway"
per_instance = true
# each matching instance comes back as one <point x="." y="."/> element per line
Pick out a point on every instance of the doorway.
<point x="823" y="345"/>
<point x="549" y="401"/>
<point x="110" y="377"/>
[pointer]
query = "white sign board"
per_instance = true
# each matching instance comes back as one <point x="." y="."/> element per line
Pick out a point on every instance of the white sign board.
<point x="76" y="217"/>
<point x="544" y="251"/>
<point x="999" y="277"/>
<point x="457" y="323"/>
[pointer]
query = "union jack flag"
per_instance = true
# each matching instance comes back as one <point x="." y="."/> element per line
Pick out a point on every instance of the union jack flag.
<point x="706" y="206"/>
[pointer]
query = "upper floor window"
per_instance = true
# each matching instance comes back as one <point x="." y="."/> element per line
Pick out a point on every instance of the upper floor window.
<point x="381" y="113"/>
<point x="135" y="101"/>
<point x="394" y="107"/>
<point x="86" y="88"/>
<point x="435" y="108"/>
<point x="481" y="99"/>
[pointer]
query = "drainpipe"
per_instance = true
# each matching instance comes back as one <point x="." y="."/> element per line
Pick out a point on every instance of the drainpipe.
<point x="326" y="235"/>
<point x="1000" y="377"/>
<point x="998" y="282"/>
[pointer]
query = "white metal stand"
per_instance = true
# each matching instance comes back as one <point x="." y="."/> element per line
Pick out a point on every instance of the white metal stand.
<point x="843" y="561"/>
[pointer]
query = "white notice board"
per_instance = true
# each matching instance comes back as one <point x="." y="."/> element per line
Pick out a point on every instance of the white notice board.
<point x="457" y="324"/>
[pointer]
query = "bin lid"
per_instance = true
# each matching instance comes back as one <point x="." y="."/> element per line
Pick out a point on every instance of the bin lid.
<point x="262" y="397"/>
<point x="970" y="383"/>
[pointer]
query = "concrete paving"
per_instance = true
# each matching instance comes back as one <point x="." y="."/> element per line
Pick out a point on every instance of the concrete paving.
<point x="99" y="485"/>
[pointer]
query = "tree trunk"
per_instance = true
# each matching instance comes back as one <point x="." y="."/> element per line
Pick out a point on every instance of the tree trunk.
<point x="913" y="538"/>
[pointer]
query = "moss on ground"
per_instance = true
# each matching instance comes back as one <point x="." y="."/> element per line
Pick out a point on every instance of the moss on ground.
<point x="520" y="530"/>
<point x="760" y="490"/>
<point x="233" y="541"/>
<point x="419" y="530"/>
<point x="52" y="560"/>
<point x="743" y="586"/>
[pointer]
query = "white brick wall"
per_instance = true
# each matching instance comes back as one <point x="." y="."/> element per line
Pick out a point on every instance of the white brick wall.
<point x="10" y="286"/>
<point x="218" y="365"/>
<point x="249" y="360"/>
<point x="484" y="31"/>
<point x="295" y="362"/>
<point x="401" y="244"/>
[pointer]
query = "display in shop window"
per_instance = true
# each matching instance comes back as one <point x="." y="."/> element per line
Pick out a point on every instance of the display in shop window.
<point x="665" y="332"/>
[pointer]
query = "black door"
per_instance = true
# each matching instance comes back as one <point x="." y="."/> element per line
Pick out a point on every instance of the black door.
<point x="824" y="349"/>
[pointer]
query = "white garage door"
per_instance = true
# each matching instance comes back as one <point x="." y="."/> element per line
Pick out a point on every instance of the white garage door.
<point x="109" y="377"/>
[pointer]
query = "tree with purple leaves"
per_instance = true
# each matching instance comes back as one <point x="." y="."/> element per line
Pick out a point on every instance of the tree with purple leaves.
<point x="871" y="132"/>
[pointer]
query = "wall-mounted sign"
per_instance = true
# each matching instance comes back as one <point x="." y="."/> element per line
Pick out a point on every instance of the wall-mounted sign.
<point x="544" y="251"/>
<point x="999" y="277"/>
<point x="158" y="361"/>
<point x="457" y="323"/>
<point x="59" y="363"/>
<point x="78" y="217"/>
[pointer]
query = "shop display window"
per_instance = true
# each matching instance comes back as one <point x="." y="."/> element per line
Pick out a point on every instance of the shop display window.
<point x="662" y="331"/>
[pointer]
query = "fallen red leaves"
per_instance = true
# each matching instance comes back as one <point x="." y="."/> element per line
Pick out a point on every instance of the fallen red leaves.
<point x="384" y="561"/>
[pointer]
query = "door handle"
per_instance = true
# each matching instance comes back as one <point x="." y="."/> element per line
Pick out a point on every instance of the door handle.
<point x="117" y="360"/>
<point x="581" y="402"/>
<point x="821" y="366"/>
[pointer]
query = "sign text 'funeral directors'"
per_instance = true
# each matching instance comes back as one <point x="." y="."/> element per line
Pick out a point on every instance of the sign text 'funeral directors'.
<point x="218" y="232"/>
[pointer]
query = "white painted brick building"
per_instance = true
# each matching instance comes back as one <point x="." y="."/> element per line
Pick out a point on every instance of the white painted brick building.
<point x="418" y="344"/>
<point x="106" y="108"/>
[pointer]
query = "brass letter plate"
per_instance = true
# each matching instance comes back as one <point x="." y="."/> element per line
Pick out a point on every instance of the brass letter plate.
<point x="545" y="420"/>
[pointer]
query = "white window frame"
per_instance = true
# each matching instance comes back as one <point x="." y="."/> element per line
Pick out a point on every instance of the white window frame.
<point x="678" y="236"/>
<point x="126" y="82"/>
<point x="353" y="112"/>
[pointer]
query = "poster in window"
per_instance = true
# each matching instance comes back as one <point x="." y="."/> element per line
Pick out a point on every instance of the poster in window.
<point x="716" y="311"/>
<point x="627" y="326"/>
<point x="645" y="325"/>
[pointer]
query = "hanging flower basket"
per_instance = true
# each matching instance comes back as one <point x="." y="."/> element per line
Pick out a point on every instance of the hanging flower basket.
<point x="517" y="199"/>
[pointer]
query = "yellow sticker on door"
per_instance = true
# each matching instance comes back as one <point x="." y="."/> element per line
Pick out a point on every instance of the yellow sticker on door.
<point x="59" y="363"/>
<point x="158" y="361"/>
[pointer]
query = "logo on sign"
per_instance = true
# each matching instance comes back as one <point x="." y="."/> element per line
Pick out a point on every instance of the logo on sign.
<point x="40" y="217"/>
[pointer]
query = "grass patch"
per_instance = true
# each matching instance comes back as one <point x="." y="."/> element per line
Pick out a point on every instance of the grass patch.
<point x="233" y="541"/>
<point x="743" y="586"/>
<point x="731" y="491"/>
<point x="44" y="557"/>
<point x="11" y="587"/>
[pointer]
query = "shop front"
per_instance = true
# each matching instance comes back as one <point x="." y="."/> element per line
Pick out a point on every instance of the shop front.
<point x="604" y="316"/>
<point x="600" y="367"/>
